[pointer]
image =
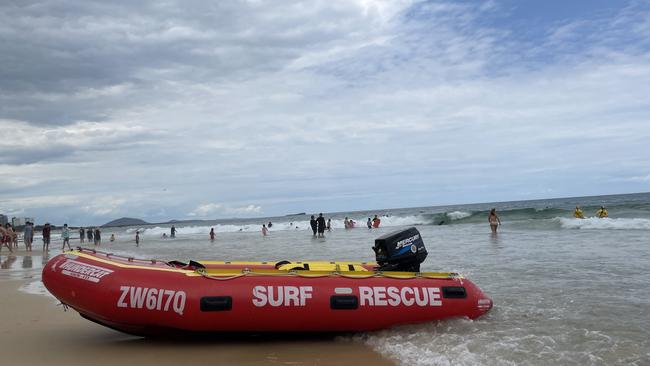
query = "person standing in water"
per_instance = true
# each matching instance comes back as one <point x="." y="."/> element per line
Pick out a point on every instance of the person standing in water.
<point x="265" y="231"/>
<point x="602" y="212"/>
<point x="578" y="214"/>
<point x="137" y="238"/>
<point x="112" y="238"/>
<point x="173" y="232"/>
<point x="376" y="221"/>
<point x="321" y="225"/>
<point x="313" y="224"/>
<point x="46" y="237"/>
<point x="28" y="236"/>
<point x="82" y="235"/>
<point x="89" y="234"/>
<point x="329" y="224"/>
<point x="494" y="220"/>
<point x="98" y="237"/>
<point x="212" y="234"/>
<point x="65" y="235"/>
<point x="369" y="223"/>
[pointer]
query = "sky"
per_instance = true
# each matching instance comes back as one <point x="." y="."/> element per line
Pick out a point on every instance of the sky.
<point x="202" y="110"/>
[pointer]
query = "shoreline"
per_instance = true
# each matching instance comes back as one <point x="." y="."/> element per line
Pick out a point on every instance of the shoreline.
<point x="37" y="331"/>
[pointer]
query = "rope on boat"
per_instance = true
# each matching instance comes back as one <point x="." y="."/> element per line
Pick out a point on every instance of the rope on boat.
<point x="378" y="274"/>
<point x="296" y="273"/>
<point x="128" y="259"/>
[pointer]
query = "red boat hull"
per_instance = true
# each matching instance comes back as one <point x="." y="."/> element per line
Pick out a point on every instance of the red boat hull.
<point x="153" y="297"/>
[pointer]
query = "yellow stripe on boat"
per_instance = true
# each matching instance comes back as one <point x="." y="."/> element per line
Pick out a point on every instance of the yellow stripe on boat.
<point x="277" y="272"/>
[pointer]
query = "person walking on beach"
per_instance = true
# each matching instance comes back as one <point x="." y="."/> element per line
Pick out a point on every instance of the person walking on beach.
<point x="494" y="220"/>
<point x="9" y="236"/>
<point x="98" y="237"/>
<point x="46" y="237"/>
<point x="173" y="232"/>
<point x="28" y="236"/>
<point x="14" y="236"/>
<point x="602" y="212"/>
<point x="65" y="235"/>
<point x="321" y="225"/>
<point x="137" y="238"/>
<point x="313" y="224"/>
<point x="212" y="234"/>
<point x="5" y="238"/>
<point x="265" y="231"/>
<point x="82" y="235"/>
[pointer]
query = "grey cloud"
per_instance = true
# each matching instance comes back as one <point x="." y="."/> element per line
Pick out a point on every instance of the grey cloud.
<point x="63" y="47"/>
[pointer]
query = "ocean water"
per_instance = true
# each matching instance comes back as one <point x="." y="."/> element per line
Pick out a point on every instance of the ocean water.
<point x="566" y="291"/>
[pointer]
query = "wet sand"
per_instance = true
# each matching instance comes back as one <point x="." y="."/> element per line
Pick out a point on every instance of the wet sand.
<point x="34" y="330"/>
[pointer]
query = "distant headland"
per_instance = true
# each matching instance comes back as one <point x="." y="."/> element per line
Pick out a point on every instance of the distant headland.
<point x="125" y="221"/>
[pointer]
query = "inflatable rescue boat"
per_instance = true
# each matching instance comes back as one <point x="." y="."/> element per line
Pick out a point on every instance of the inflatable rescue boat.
<point x="153" y="297"/>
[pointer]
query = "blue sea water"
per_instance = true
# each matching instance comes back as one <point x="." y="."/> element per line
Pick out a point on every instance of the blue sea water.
<point x="566" y="291"/>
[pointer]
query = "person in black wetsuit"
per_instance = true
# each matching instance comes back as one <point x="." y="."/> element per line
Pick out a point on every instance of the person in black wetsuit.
<point x="314" y="224"/>
<point x="321" y="225"/>
<point x="173" y="232"/>
<point x="98" y="237"/>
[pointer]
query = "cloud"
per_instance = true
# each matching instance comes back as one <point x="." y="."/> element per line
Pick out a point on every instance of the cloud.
<point x="640" y="178"/>
<point x="213" y="210"/>
<point x="24" y="143"/>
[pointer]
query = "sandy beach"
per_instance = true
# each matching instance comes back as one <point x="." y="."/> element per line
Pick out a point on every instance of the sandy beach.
<point x="37" y="331"/>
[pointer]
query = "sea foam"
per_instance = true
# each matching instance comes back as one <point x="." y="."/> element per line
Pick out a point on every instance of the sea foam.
<point x="593" y="223"/>
<point x="360" y="222"/>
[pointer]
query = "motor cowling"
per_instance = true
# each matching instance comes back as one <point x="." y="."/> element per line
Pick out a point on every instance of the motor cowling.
<point x="401" y="250"/>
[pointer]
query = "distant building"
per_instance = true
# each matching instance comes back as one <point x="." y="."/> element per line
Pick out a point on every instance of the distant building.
<point x="17" y="221"/>
<point x="20" y="221"/>
<point x="3" y="220"/>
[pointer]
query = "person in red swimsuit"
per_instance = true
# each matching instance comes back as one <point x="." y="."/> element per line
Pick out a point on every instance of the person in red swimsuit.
<point x="5" y="238"/>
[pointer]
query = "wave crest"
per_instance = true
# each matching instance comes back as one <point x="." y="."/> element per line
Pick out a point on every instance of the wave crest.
<point x="594" y="223"/>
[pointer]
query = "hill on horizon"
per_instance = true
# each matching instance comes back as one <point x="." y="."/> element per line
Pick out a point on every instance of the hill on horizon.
<point x="125" y="221"/>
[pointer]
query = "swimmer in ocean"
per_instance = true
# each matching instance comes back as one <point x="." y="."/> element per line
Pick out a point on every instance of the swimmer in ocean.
<point x="494" y="220"/>
<point x="578" y="214"/>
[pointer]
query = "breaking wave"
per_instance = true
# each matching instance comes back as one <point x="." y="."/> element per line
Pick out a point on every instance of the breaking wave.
<point x="623" y="217"/>
<point x="593" y="223"/>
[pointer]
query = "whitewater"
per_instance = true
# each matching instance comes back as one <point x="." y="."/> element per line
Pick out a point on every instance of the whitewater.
<point x="566" y="291"/>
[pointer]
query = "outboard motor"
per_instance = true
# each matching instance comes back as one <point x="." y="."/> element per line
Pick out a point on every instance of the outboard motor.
<point x="401" y="250"/>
